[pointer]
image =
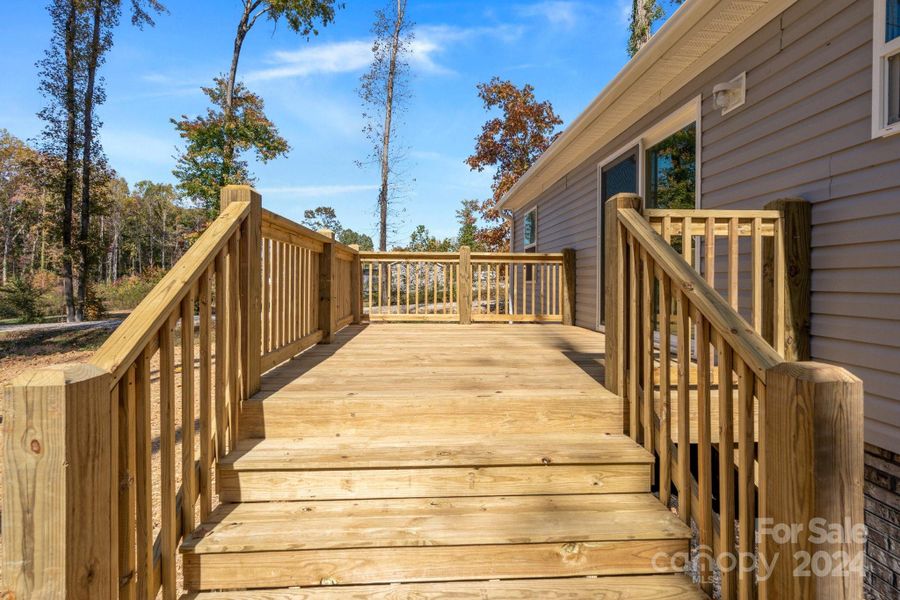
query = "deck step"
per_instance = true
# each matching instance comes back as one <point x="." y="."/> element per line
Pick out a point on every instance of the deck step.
<point x="486" y="410"/>
<point x="416" y="467"/>
<point x="273" y="544"/>
<point x="642" y="587"/>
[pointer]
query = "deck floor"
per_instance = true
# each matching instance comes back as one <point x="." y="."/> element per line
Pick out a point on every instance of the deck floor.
<point x="427" y="454"/>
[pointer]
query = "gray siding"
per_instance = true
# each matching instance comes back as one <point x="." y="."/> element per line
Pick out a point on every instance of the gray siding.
<point x="804" y="131"/>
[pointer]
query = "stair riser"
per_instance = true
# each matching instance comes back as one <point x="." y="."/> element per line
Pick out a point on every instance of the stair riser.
<point x="280" y="418"/>
<point x="387" y="565"/>
<point x="259" y="486"/>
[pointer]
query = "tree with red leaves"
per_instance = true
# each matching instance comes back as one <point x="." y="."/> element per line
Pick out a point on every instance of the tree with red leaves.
<point x="511" y="143"/>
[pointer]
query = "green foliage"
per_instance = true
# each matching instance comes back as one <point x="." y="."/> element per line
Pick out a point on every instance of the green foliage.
<point x="127" y="292"/>
<point x="301" y="15"/>
<point x="348" y="236"/>
<point x="672" y="171"/>
<point x="202" y="168"/>
<point x="467" y="217"/>
<point x="322" y="217"/>
<point x="21" y="298"/>
<point x="421" y="240"/>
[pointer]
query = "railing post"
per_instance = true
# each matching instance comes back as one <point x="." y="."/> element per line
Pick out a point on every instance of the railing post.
<point x="811" y="483"/>
<point x="464" y="285"/>
<point x="568" y="287"/>
<point x="356" y="276"/>
<point x="250" y="285"/>
<point x="60" y="519"/>
<point x="614" y="290"/>
<point x="327" y="271"/>
<point x="789" y="256"/>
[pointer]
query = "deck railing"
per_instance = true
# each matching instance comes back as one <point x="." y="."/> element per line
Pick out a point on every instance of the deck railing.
<point x="109" y="464"/>
<point x="469" y="287"/>
<point x="788" y="444"/>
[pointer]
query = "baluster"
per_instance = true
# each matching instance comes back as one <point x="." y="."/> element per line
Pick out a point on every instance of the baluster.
<point x="435" y="267"/>
<point x="534" y="276"/>
<point x="221" y="352"/>
<point x="733" y="254"/>
<point x="417" y="267"/>
<point x="756" y="261"/>
<point x="168" y="537"/>
<point x="127" y="475"/>
<point x="684" y="410"/>
<point x="647" y="346"/>
<point x="687" y="240"/>
<point x="633" y="357"/>
<point x="143" y="474"/>
<point x="704" y="452"/>
<point x="746" y="480"/>
<point x="778" y="278"/>
<point x="234" y="333"/>
<point x="266" y="293"/>
<point x="665" y="433"/>
<point x="205" y="397"/>
<point x="188" y="472"/>
<point x="726" y="468"/>
<point x="710" y="248"/>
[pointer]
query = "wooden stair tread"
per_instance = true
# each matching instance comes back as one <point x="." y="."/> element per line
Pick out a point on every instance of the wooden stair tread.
<point x="397" y="412"/>
<point x="415" y="452"/>
<point x="643" y="587"/>
<point x="275" y="526"/>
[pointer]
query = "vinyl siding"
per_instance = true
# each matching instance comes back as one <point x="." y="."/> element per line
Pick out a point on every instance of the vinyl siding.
<point x="804" y="131"/>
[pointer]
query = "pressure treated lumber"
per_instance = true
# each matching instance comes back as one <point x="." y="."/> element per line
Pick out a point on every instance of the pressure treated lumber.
<point x="643" y="587"/>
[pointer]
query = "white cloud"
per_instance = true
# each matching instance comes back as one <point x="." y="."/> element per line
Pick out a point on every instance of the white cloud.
<point x="317" y="191"/>
<point x="337" y="57"/>
<point x="355" y="55"/>
<point x="559" y="13"/>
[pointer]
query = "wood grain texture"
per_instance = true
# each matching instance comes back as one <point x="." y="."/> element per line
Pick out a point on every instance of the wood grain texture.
<point x="60" y="463"/>
<point x="655" y="587"/>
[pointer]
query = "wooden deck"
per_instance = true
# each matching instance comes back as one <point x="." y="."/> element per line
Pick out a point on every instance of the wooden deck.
<point x="456" y="460"/>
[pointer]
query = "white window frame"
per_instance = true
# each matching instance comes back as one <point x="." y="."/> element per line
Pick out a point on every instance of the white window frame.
<point x="881" y="52"/>
<point x="692" y="112"/>
<point x="533" y="244"/>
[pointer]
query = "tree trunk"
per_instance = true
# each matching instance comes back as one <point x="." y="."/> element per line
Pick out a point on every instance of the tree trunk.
<point x="69" y="177"/>
<point x="640" y="25"/>
<point x="5" y="255"/>
<point x="228" y="147"/>
<point x="84" y="235"/>
<point x="383" y="196"/>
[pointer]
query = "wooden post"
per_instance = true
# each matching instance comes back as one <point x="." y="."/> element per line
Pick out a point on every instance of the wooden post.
<point x="568" y="287"/>
<point x="811" y="467"/>
<point x="614" y="286"/>
<point x="356" y="276"/>
<point x="60" y="515"/>
<point x="327" y="272"/>
<point x="250" y="284"/>
<point x="464" y="285"/>
<point x="794" y="293"/>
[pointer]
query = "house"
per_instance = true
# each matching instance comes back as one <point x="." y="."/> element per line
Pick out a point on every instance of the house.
<point x="774" y="99"/>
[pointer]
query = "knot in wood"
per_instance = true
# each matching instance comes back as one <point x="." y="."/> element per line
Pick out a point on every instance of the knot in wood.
<point x="36" y="446"/>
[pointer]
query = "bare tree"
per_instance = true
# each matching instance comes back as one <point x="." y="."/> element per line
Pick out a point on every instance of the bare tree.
<point x="384" y="90"/>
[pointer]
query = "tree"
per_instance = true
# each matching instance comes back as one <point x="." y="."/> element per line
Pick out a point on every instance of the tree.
<point x="82" y="36"/>
<point x="644" y="14"/>
<point x="322" y="217"/>
<point x="421" y="240"/>
<point x="238" y="123"/>
<point x="17" y="210"/>
<point x="511" y="143"/>
<point x="384" y="92"/>
<point x="467" y="216"/>
<point x="202" y="168"/>
<point x="350" y="237"/>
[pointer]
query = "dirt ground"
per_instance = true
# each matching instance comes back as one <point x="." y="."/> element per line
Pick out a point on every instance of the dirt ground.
<point x="30" y="348"/>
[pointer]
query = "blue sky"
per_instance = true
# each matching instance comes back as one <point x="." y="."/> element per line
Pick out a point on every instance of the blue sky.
<point x="567" y="49"/>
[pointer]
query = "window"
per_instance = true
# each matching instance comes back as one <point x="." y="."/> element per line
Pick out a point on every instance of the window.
<point x="671" y="170"/>
<point x="530" y="236"/>
<point x="886" y="68"/>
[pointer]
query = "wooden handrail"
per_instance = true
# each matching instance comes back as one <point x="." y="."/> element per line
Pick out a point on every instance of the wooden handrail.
<point x="466" y="287"/>
<point x="122" y="348"/>
<point x="788" y="434"/>
<point x="758" y="354"/>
